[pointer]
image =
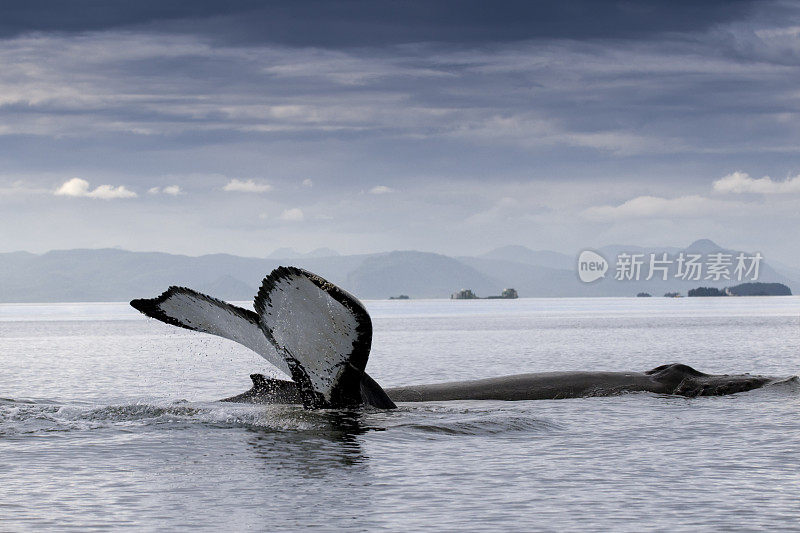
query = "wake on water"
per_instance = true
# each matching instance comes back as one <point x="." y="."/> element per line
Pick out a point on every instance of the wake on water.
<point x="30" y="418"/>
<point x="22" y="417"/>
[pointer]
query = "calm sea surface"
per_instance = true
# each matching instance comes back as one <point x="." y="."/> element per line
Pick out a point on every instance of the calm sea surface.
<point x="110" y="421"/>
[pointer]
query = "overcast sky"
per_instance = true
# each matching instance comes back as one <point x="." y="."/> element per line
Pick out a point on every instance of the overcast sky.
<point x="364" y="126"/>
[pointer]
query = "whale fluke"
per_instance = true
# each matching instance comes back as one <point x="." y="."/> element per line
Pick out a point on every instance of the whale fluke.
<point x="190" y="309"/>
<point x="331" y="376"/>
<point x="323" y="332"/>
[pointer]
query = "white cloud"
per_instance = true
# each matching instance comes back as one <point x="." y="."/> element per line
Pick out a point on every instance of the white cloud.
<point x="308" y="183"/>
<point x="74" y="187"/>
<point x="172" y="190"/>
<point x="294" y="214"/>
<point x="741" y="182"/>
<point x="108" y="192"/>
<point x="236" y="185"/>
<point x="77" y="187"/>
<point x="653" y="207"/>
<point x="381" y="189"/>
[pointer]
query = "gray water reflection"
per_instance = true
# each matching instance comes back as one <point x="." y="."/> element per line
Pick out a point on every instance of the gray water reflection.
<point x="333" y="443"/>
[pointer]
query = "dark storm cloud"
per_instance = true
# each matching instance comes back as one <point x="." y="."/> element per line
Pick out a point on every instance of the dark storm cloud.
<point x="508" y="109"/>
<point x="95" y="15"/>
<point x="351" y="23"/>
<point x="510" y="119"/>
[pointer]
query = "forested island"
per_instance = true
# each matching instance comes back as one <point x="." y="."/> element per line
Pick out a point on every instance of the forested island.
<point x="744" y="289"/>
<point x="760" y="289"/>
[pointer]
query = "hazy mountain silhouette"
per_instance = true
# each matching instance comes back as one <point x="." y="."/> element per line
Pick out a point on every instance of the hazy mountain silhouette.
<point x="291" y="253"/>
<point x="418" y="275"/>
<point x="521" y="254"/>
<point x="120" y="275"/>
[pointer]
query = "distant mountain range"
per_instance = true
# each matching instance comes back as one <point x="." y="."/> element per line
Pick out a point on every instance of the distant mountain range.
<point x="291" y="253"/>
<point x="119" y="275"/>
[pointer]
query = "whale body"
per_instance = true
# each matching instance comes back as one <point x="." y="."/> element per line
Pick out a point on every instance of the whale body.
<point x="675" y="379"/>
<point x="320" y="336"/>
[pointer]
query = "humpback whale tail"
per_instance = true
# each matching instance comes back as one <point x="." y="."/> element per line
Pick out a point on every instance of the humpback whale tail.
<point x="185" y="308"/>
<point x="307" y="327"/>
<point x="322" y="331"/>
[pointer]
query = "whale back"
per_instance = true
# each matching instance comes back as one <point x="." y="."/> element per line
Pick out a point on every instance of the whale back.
<point x="677" y="369"/>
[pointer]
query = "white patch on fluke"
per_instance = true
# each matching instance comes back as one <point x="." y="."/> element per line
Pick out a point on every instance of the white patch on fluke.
<point x="196" y="311"/>
<point x="314" y="329"/>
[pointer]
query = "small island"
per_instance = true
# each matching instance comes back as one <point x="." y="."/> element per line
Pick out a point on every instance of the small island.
<point x="464" y="294"/>
<point x="760" y="289"/>
<point x="507" y="294"/>
<point x="400" y="297"/>
<point x="644" y="295"/>
<point x="745" y="289"/>
<point x="706" y="291"/>
<point x="467" y="294"/>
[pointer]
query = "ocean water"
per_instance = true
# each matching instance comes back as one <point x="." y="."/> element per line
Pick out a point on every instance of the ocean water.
<point x="110" y="421"/>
